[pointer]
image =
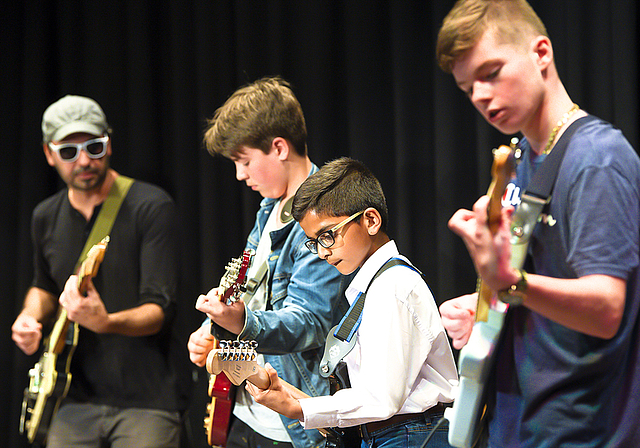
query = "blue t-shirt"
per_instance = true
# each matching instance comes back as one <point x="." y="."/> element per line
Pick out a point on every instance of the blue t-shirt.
<point x="564" y="387"/>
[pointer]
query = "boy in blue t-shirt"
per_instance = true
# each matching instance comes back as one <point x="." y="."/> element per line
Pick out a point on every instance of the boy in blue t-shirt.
<point x="567" y="368"/>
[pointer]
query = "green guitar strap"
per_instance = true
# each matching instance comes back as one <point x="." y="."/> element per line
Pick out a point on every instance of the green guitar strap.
<point x="107" y="215"/>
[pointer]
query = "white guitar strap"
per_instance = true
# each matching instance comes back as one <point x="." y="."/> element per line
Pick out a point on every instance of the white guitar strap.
<point x="522" y="223"/>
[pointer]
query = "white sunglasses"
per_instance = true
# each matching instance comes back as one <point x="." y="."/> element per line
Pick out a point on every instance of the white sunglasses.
<point x="69" y="152"/>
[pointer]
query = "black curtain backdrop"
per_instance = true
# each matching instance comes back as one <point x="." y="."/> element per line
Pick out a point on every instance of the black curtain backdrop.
<point x="366" y="76"/>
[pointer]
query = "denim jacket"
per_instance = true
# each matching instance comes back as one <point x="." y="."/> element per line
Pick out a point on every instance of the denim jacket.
<point x="306" y="299"/>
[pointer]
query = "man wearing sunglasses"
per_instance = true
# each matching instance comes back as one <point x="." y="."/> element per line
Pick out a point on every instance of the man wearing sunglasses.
<point x="81" y="159"/>
<point x="125" y="384"/>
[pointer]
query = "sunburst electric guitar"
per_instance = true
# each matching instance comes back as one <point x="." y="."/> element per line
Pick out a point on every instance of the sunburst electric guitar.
<point x="477" y="356"/>
<point x="50" y="378"/>
<point x="221" y="390"/>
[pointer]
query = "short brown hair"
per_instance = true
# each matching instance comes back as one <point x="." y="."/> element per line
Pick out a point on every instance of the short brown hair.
<point x="469" y="19"/>
<point x="341" y="187"/>
<point x="253" y="116"/>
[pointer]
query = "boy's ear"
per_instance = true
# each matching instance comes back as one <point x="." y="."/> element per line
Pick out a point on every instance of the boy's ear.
<point x="372" y="220"/>
<point x="281" y="146"/>
<point x="543" y="51"/>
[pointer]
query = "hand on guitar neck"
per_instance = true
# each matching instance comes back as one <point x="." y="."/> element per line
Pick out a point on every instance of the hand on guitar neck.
<point x="223" y="305"/>
<point x="229" y="316"/>
<point x="485" y="229"/>
<point x="80" y="299"/>
<point x="486" y="234"/>
<point x="85" y="307"/>
<point x="238" y="361"/>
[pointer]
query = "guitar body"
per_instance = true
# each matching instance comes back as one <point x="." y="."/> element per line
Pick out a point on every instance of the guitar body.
<point x="49" y="382"/>
<point x="222" y="393"/>
<point x="477" y="357"/>
<point x="50" y="378"/>
<point x="341" y="437"/>
<point x="221" y="389"/>
<point x="476" y="362"/>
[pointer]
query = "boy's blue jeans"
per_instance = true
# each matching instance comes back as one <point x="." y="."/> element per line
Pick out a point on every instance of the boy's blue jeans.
<point x="410" y="434"/>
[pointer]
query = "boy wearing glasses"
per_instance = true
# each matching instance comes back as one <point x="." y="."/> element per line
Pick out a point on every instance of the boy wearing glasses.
<point x="401" y="365"/>
<point x="261" y="128"/>
<point x="126" y="318"/>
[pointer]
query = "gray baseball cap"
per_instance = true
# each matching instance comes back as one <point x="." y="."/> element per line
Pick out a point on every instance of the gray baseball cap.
<point x="72" y="114"/>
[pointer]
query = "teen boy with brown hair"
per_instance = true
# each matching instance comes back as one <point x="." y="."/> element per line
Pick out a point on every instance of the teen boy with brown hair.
<point x="261" y="128"/>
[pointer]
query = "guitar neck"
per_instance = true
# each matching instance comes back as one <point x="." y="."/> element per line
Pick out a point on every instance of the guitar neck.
<point x="57" y="338"/>
<point x="83" y="282"/>
<point x="501" y="170"/>
<point x="261" y="379"/>
<point x="88" y="269"/>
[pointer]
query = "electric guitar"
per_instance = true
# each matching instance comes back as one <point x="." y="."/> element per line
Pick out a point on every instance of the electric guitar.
<point x="476" y="360"/>
<point x="341" y="437"/>
<point x="221" y="390"/>
<point x="238" y="360"/>
<point x="50" y="378"/>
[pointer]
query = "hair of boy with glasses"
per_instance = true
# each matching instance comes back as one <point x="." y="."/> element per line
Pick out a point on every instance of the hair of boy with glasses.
<point x="341" y="187"/>
<point x="465" y="24"/>
<point x="253" y="116"/>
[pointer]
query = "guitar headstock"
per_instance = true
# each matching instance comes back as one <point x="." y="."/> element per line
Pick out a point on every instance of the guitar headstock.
<point x="234" y="280"/>
<point x="504" y="163"/>
<point x="95" y="256"/>
<point x="90" y="265"/>
<point x="237" y="359"/>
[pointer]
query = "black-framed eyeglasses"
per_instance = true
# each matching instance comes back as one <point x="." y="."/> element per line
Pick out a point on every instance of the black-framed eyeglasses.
<point x="69" y="152"/>
<point x="326" y="239"/>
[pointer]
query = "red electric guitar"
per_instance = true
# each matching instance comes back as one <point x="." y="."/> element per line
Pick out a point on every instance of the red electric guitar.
<point x="238" y="360"/>
<point x="221" y="390"/>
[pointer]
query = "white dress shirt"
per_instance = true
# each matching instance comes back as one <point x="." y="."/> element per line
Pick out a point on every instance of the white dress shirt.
<point x="402" y="361"/>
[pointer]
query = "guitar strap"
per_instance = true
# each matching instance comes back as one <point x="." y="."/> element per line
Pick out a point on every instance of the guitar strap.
<point x="107" y="215"/>
<point x="340" y="340"/>
<point x="538" y="194"/>
<point x="101" y="228"/>
<point x="254" y="282"/>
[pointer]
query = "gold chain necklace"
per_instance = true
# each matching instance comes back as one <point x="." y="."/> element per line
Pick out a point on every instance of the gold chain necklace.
<point x="561" y="123"/>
